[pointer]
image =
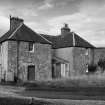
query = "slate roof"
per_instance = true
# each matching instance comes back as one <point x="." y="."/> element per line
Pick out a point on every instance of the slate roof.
<point x="24" y="33"/>
<point x="68" y="40"/>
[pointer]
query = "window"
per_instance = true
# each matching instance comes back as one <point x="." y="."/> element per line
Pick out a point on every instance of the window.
<point x="65" y="70"/>
<point x="87" y="52"/>
<point x="31" y="46"/>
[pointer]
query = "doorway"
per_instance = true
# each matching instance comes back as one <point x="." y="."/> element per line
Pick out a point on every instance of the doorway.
<point x="31" y="73"/>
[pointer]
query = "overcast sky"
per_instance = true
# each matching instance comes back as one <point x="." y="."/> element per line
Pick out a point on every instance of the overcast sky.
<point x="85" y="17"/>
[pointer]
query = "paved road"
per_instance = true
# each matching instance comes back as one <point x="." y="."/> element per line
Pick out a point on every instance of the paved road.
<point x="75" y="95"/>
<point x="58" y="97"/>
<point x="64" y="95"/>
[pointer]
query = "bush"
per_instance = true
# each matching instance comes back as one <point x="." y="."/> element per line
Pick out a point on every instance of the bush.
<point x="101" y="64"/>
<point x="92" y="68"/>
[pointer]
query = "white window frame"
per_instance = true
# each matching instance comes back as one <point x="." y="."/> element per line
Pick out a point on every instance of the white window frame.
<point x="32" y="47"/>
<point x="65" y="70"/>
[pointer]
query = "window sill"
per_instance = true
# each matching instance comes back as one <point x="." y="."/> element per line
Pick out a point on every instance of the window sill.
<point x="31" y="51"/>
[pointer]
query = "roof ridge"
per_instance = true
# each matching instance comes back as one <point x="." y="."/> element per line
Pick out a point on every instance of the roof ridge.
<point x="15" y="30"/>
<point x="44" y="38"/>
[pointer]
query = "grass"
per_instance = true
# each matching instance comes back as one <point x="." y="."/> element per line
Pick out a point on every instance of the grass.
<point x="76" y="81"/>
<point x="66" y="84"/>
<point x="79" y="88"/>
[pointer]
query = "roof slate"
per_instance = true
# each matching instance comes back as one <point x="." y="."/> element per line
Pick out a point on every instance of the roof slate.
<point x="24" y="33"/>
<point x="63" y="41"/>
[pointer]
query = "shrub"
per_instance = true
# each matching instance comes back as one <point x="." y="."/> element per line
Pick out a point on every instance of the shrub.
<point x="101" y="64"/>
<point x="92" y="68"/>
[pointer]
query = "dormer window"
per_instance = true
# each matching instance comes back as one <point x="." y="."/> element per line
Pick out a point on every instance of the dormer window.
<point x="31" y="46"/>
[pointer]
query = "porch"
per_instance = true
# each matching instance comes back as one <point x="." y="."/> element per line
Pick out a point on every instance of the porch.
<point x="60" y="68"/>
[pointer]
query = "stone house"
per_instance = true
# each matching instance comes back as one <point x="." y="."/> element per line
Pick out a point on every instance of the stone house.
<point x="28" y="56"/>
<point x="71" y="54"/>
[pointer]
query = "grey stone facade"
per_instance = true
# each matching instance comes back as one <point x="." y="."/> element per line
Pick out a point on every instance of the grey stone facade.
<point x="15" y="59"/>
<point x="79" y="58"/>
<point x="82" y="57"/>
<point x="19" y="58"/>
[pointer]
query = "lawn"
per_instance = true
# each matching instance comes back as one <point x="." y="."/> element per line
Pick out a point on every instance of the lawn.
<point x="75" y="82"/>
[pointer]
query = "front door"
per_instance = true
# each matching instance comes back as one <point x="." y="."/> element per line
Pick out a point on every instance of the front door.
<point x="58" y="70"/>
<point x="31" y="73"/>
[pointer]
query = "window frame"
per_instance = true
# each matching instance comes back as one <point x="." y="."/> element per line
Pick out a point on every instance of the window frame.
<point x="29" y="47"/>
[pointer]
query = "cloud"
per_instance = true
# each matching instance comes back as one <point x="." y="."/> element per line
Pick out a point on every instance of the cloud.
<point x="89" y="24"/>
<point x="61" y="7"/>
<point x="39" y="27"/>
<point x="46" y="5"/>
<point x="85" y="17"/>
<point x="23" y="8"/>
<point x="4" y="22"/>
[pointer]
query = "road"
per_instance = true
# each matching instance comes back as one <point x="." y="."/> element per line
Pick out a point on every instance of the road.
<point x="73" y="94"/>
<point x="64" y="97"/>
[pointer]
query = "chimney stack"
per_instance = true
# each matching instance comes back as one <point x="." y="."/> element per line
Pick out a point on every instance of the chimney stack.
<point x="65" y="29"/>
<point x="15" y="22"/>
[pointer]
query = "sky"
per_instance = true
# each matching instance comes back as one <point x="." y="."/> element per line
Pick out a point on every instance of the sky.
<point x="85" y="17"/>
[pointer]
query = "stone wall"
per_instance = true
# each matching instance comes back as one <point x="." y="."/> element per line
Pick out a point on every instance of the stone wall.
<point x="15" y="56"/>
<point x="81" y="58"/>
<point x="12" y="57"/>
<point x="20" y="58"/>
<point x="3" y="60"/>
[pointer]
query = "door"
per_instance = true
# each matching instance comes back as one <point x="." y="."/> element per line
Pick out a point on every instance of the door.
<point x="31" y="73"/>
<point x="53" y="70"/>
<point x="58" y="70"/>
